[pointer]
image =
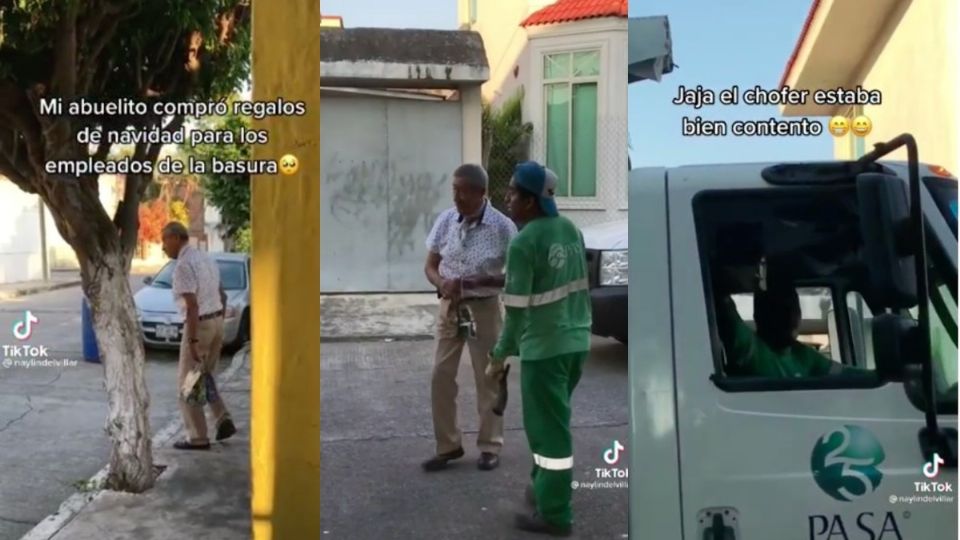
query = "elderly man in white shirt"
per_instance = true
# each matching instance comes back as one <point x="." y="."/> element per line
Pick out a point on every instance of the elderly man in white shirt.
<point x="467" y="253"/>
<point x="197" y="290"/>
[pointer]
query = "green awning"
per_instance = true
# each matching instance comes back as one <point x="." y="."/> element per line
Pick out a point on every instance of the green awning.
<point x="650" y="53"/>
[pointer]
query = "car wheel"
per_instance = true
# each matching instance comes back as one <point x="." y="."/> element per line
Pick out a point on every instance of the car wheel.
<point x="243" y="332"/>
<point x="245" y="326"/>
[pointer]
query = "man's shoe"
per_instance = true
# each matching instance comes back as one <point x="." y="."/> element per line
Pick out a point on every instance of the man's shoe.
<point x="535" y="524"/>
<point x="187" y="445"/>
<point x="488" y="461"/>
<point x="530" y="496"/>
<point x="439" y="461"/>
<point x="226" y="429"/>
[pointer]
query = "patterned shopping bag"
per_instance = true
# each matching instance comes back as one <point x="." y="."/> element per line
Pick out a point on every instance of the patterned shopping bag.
<point x="194" y="389"/>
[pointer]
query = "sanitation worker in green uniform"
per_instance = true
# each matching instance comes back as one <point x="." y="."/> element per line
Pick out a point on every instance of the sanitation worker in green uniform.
<point x="547" y="325"/>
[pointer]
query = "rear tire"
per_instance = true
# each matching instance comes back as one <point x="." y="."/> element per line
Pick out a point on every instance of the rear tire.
<point x="243" y="332"/>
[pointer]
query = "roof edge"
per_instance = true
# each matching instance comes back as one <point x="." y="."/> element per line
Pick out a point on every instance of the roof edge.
<point x="804" y="31"/>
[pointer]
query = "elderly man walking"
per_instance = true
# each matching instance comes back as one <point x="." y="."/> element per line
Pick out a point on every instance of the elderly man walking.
<point x="467" y="252"/>
<point x="197" y="290"/>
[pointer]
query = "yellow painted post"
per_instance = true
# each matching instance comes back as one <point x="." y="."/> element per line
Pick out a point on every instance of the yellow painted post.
<point x="285" y="215"/>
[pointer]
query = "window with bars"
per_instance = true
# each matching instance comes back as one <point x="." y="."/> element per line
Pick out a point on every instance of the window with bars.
<point x="570" y="88"/>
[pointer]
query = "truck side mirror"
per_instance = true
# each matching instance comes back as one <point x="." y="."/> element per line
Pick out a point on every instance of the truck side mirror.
<point x="885" y="222"/>
<point x="894" y="345"/>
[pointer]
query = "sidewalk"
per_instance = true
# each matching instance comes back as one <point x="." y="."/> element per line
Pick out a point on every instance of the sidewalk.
<point x="59" y="279"/>
<point x="199" y="495"/>
<point x="363" y="317"/>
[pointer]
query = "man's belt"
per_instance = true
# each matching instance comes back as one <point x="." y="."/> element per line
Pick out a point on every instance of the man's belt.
<point x="213" y="315"/>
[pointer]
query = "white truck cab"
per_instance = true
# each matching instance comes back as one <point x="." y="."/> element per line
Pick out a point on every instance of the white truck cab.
<point x="866" y="452"/>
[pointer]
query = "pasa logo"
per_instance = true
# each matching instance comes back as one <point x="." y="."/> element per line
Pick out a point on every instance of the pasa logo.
<point x="23" y="329"/>
<point x="932" y="469"/>
<point x="612" y="455"/>
<point x="845" y="463"/>
<point x="557" y="256"/>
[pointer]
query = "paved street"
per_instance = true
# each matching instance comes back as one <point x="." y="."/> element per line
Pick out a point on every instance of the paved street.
<point x="376" y="429"/>
<point x="51" y="419"/>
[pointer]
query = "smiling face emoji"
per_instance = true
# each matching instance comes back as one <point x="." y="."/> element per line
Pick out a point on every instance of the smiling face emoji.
<point x="862" y="126"/>
<point x="289" y="164"/>
<point x="839" y="125"/>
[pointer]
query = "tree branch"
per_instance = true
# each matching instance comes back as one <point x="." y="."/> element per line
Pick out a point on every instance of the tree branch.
<point x="105" y="76"/>
<point x="16" y="111"/>
<point x="138" y="67"/>
<point x="127" y="217"/>
<point x="93" y="59"/>
<point x="92" y="180"/>
<point x="63" y="83"/>
<point x="162" y="62"/>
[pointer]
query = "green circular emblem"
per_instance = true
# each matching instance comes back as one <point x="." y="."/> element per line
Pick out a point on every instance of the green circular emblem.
<point x="845" y="463"/>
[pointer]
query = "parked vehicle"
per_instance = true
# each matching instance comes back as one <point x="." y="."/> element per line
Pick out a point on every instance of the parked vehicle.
<point x="606" y="247"/>
<point x="716" y="452"/>
<point x="161" y="323"/>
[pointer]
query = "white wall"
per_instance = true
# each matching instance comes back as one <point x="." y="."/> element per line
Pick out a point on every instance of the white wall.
<point x="504" y="41"/>
<point x="20" y="253"/>
<point x="919" y="95"/>
<point x="386" y="177"/>
<point x="211" y="220"/>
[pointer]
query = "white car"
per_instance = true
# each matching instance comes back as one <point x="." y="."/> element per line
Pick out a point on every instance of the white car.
<point x="160" y="321"/>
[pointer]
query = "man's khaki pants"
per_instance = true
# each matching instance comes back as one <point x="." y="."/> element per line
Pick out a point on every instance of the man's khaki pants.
<point x="210" y="337"/>
<point x="488" y="316"/>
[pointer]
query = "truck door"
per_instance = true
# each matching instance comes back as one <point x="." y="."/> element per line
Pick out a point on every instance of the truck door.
<point x="801" y="450"/>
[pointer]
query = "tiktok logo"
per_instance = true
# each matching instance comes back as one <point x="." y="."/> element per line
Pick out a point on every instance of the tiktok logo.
<point x="22" y="330"/>
<point x="612" y="455"/>
<point x="932" y="469"/>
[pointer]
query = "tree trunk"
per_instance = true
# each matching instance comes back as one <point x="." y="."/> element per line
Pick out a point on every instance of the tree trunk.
<point x="115" y="322"/>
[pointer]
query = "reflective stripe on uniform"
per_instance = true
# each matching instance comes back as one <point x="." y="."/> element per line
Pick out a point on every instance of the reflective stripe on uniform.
<point x="549" y="297"/>
<point x="553" y="464"/>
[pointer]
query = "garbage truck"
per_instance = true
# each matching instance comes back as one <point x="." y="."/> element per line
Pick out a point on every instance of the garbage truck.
<point x="863" y="449"/>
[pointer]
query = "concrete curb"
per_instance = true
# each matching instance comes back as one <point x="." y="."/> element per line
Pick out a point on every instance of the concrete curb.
<point x="51" y="525"/>
<point x="385" y="337"/>
<point x="10" y="295"/>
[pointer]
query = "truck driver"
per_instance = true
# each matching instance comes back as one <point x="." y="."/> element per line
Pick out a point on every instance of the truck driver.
<point x="773" y="350"/>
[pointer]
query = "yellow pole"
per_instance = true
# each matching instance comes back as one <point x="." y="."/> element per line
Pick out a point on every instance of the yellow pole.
<point x="285" y="215"/>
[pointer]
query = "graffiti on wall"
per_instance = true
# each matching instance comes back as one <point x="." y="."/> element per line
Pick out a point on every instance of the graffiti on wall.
<point x="409" y="198"/>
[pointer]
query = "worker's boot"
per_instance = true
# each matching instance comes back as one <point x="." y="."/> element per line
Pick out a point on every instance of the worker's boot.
<point x="535" y="524"/>
<point x="530" y="496"/>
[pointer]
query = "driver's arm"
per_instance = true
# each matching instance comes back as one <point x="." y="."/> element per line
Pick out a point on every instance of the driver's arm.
<point x="737" y="337"/>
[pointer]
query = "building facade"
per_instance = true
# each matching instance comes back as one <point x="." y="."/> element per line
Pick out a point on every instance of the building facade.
<point x="566" y="61"/>
<point x="908" y="50"/>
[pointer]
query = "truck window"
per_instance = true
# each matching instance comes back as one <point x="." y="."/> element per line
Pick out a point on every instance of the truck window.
<point x="943" y="340"/>
<point x="861" y="334"/>
<point x="783" y="288"/>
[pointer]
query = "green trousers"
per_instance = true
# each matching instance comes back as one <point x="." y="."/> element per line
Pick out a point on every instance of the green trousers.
<point x="546" y="386"/>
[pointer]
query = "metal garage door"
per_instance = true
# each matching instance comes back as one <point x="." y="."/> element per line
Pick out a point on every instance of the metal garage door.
<point x="386" y="166"/>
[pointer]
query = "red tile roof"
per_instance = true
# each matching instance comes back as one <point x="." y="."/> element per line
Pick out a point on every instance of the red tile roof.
<point x="576" y="10"/>
<point x="800" y="40"/>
